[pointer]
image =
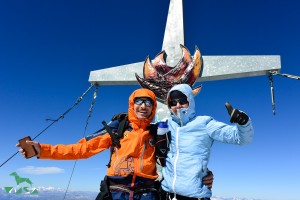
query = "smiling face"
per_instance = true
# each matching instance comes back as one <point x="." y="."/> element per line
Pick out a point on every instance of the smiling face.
<point x="141" y="113"/>
<point x="142" y="107"/>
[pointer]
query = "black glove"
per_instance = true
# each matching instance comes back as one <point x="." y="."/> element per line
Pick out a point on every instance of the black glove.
<point x="236" y="116"/>
<point x="119" y="116"/>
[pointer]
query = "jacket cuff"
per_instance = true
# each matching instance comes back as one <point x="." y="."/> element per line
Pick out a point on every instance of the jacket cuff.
<point x="45" y="151"/>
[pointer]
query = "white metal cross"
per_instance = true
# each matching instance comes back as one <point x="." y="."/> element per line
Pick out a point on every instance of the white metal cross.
<point x="214" y="67"/>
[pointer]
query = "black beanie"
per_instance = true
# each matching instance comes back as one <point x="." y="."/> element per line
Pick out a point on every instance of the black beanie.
<point x="175" y="94"/>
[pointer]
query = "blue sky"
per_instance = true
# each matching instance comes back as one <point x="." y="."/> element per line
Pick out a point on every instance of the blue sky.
<point x="48" y="48"/>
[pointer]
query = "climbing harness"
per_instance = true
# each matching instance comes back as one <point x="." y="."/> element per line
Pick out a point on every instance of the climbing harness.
<point x="56" y="120"/>
<point x="271" y="73"/>
<point x="86" y="125"/>
<point x="107" y="185"/>
<point x="133" y="190"/>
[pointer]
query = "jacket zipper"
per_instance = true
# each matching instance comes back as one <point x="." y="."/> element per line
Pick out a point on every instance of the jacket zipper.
<point x="179" y="116"/>
<point x="116" y="153"/>
<point x="142" y="156"/>
<point x="175" y="162"/>
<point x="143" y="150"/>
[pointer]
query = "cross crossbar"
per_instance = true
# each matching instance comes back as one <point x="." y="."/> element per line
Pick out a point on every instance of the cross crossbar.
<point x="214" y="67"/>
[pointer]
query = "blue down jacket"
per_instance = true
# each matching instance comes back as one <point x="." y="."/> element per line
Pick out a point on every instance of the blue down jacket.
<point x="190" y="145"/>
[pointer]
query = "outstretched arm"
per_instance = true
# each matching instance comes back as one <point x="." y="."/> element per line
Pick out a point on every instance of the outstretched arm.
<point x="81" y="150"/>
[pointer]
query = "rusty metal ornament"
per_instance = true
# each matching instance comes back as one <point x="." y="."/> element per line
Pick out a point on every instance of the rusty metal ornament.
<point x="160" y="78"/>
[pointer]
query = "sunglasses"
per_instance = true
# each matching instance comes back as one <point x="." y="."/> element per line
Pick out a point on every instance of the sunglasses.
<point x="148" y="102"/>
<point x="180" y="101"/>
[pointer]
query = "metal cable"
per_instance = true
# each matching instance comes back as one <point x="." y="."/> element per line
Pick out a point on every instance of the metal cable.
<point x="56" y="120"/>
<point x="272" y="93"/>
<point x="285" y="75"/>
<point x="271" y="73"/>
<point x="86" y="125"/>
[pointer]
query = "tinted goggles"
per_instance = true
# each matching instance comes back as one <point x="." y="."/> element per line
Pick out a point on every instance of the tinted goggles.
<point x="180" y="101"/>
<point x="139" y="101"/>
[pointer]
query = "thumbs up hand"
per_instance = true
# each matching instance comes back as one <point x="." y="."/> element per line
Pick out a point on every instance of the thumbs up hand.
<point x="236" y="116"/>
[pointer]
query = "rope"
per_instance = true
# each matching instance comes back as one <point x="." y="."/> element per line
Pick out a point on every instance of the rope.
<point x="86" y="125"/>
<point x="56" y="120"/>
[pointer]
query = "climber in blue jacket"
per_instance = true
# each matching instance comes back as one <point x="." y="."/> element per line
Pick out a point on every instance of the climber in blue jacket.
<point x="191" y="139"/>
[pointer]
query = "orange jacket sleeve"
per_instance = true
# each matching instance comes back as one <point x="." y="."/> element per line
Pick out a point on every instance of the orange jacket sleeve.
<point x="81" y="150"/>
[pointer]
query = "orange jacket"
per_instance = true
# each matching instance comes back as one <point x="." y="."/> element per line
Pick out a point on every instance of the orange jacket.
<point x="136" y="156"/>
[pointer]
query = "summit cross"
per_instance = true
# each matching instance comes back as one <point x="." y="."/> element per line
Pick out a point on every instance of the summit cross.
<point x="215" y="67"/>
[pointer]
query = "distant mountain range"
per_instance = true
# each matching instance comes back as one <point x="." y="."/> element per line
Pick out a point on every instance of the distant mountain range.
<point x="50" y="193"/>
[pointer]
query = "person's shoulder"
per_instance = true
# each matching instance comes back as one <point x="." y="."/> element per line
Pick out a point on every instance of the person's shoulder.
<point x="113" y="125"/>
<point x="204" y="118"/>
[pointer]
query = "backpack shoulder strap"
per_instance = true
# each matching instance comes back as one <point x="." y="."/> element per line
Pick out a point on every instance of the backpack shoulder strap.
<point x="122" y="126"/>
<point x="152" y="129"/>
<point x="115" y="137"/>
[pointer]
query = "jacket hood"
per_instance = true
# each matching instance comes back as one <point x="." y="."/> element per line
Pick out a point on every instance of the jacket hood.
<point x="185" y="114"/>
<point x="138" y="123"/>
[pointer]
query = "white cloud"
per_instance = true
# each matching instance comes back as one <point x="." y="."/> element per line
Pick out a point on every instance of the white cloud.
<point x="40" y="170"/>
